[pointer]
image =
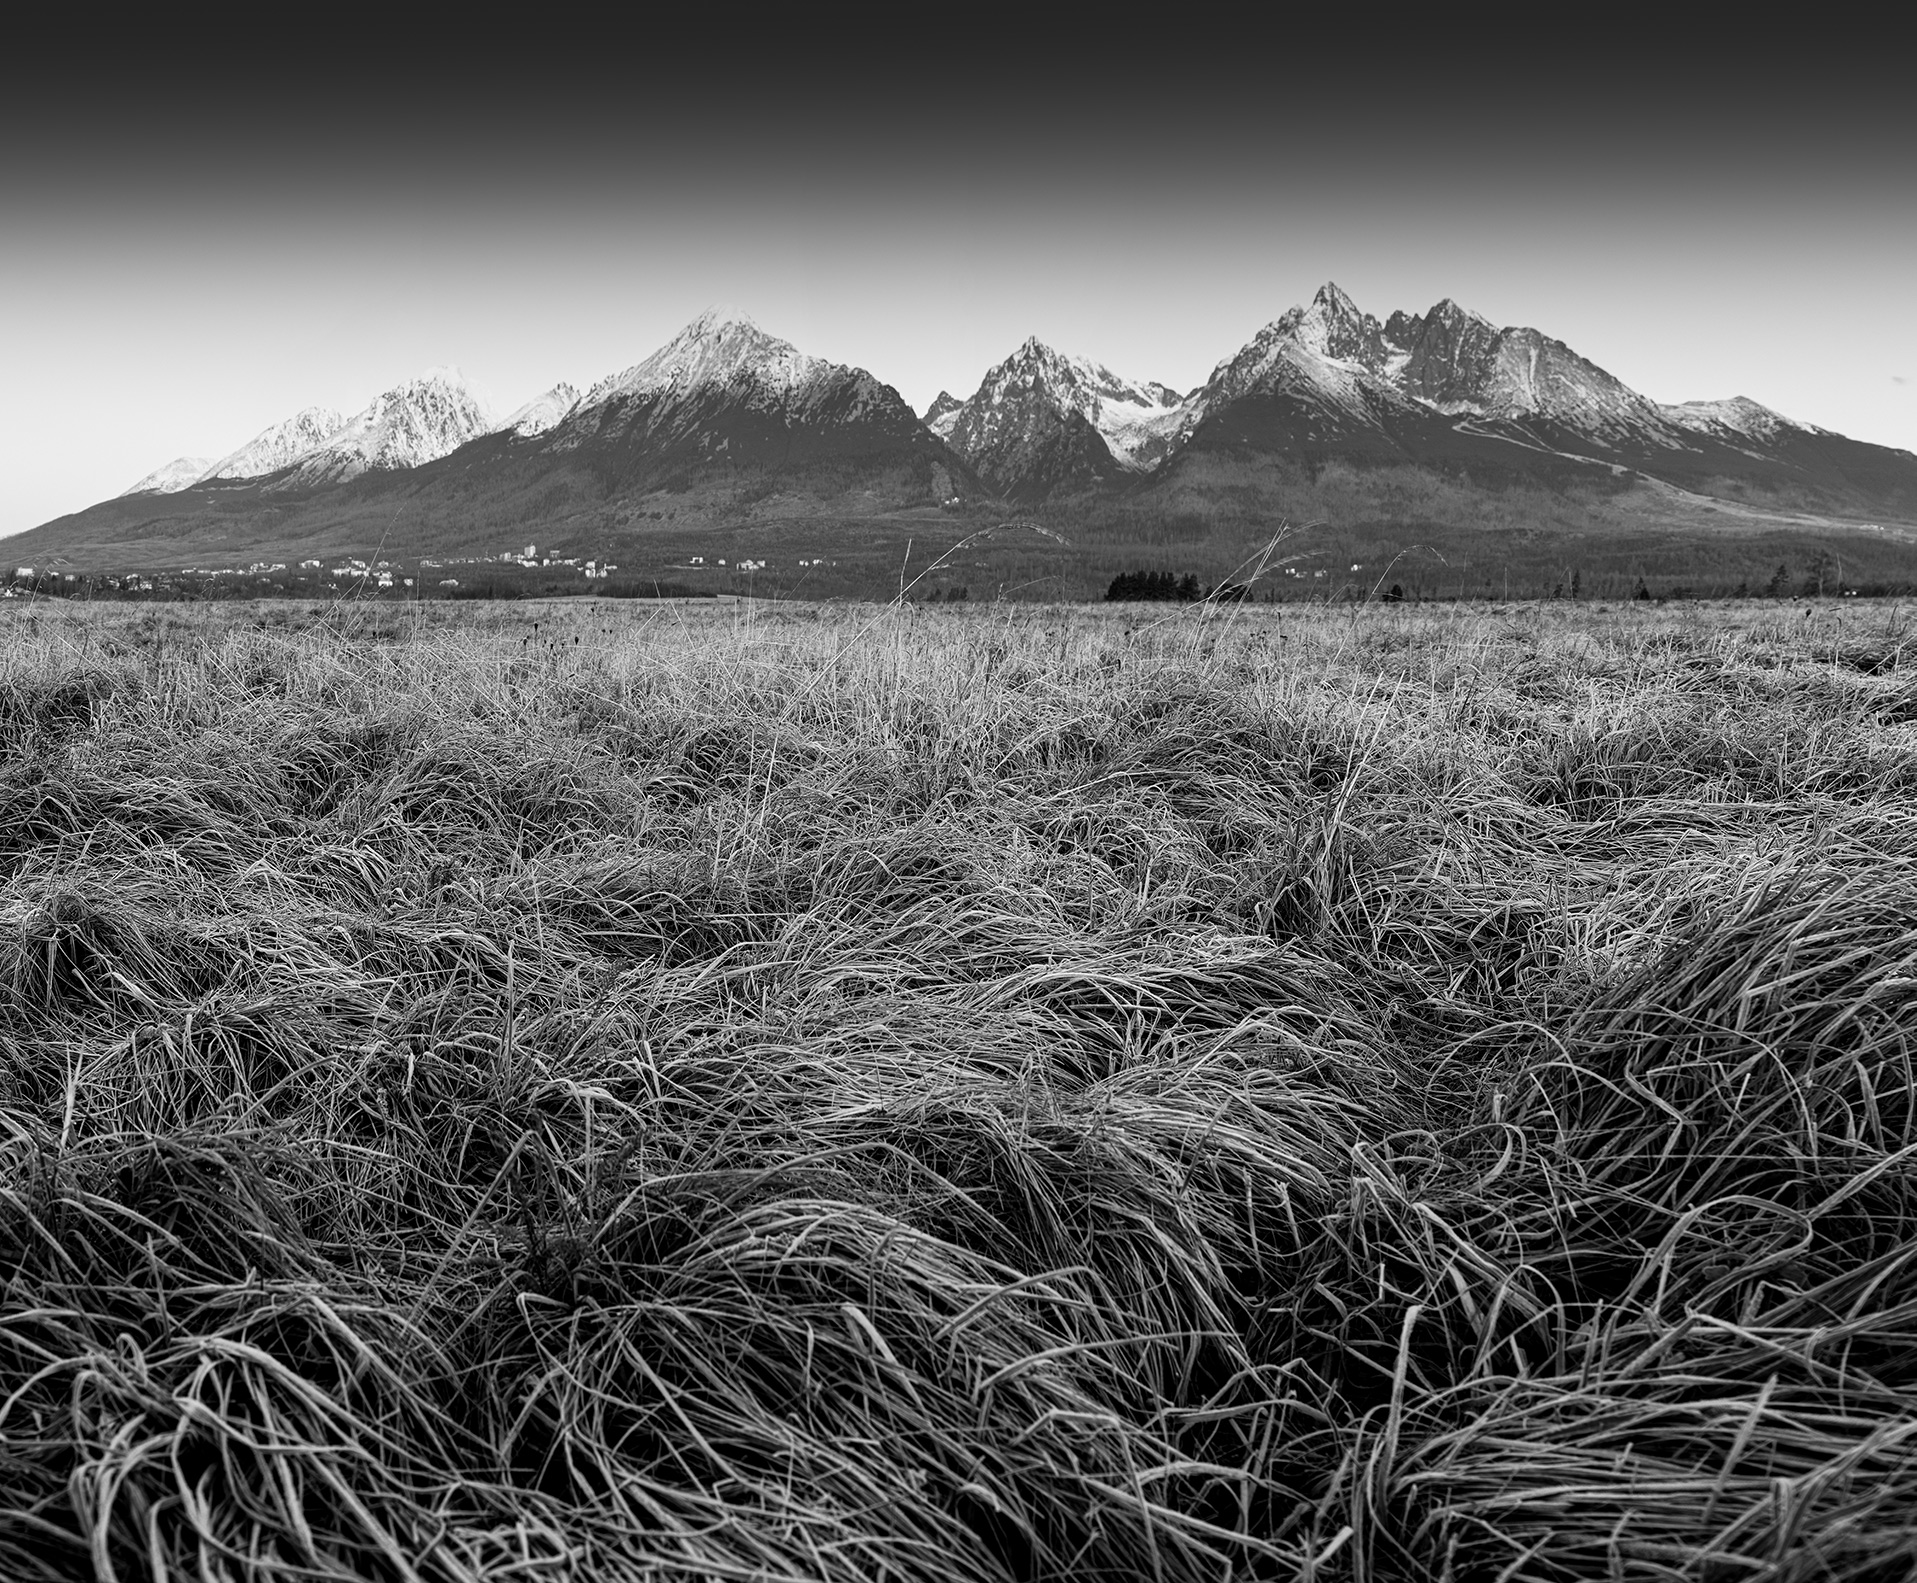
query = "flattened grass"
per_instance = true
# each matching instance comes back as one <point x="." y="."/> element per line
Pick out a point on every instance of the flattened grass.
<point x="994" y="1093"/>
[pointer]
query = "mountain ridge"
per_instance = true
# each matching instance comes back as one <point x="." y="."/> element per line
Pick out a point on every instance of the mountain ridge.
<point x="727" y="423"/>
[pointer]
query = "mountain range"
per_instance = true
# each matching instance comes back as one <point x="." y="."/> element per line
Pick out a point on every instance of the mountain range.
<point x="727" y="424"/>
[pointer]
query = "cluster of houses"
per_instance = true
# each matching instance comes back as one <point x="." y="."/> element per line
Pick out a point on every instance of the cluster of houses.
<point x="593" y="569"/>
<point x="352" y="571"/>
<point x="380" y="574"/>
<point x="747" y="565"/>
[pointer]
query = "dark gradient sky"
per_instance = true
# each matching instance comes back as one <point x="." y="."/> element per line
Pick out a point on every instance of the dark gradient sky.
<point x="197" y="240"/>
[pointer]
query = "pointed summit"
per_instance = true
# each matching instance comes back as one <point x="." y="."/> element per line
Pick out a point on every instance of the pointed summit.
<point x="940" y="416"/>
<point x="723" y="399"/>
<point x="1453" y="355"/>
<point x="1334" y="327"/>
<point x="1043" y="420"/>
<point x="722" y="346"/>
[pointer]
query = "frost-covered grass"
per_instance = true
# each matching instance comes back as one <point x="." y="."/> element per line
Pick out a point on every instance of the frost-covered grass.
<point x="945" y="1094"/>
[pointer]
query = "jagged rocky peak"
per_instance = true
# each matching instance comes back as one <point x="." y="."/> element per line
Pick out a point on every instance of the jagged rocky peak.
<point x="945" y="406"/>
<point x="1038" y="388"/>
<point x="178" y="474"/>
<point x="422" y="418"/>
<point x="1403" y="329"/>
<point x="1329" y="346"/>
<point x="417" y="421"/>
<point x="543" y="412"/>
<point x="1334" y="327"/>
<point x="1035" y="363"/>
<point x="1326" y="346"/>
<point x="278" y="446"/>
<point x="1452" y="352"/>
<point x="1077" y="382"/>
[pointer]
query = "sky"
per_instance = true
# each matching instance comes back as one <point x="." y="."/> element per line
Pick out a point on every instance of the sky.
<point x="198" y="239"/>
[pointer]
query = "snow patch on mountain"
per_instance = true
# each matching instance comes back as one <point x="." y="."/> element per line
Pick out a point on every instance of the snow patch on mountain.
<point x="178" y="474"/>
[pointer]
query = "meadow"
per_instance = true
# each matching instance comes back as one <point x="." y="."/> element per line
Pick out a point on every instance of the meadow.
<point x="613" y="1092"/>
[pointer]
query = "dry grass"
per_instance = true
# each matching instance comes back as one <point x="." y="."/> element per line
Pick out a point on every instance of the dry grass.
<point x="945" y="1094"/>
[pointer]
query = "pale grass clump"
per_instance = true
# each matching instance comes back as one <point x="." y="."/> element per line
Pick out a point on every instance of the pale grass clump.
<point x="919" y="1093"/>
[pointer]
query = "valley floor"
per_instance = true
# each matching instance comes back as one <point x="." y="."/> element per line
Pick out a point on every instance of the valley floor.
<point x="999" y="1092"/>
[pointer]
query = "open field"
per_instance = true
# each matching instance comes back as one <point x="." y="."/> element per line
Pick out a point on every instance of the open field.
<point x="606" y="1092"/>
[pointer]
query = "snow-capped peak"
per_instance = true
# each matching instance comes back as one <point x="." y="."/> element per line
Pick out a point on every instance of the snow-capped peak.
<point x="1333" y="327"/>
<point x="719" y="347"/>
<point x="178" y="474"/>
<point x="276" y="447"/>
<point x="1135" y="418"/>
<point x="417" y="421"/>
<point x="1328" y="343"/>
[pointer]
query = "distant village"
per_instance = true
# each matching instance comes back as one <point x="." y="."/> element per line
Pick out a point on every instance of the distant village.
<point x="428" y="577"/>
<point x="524" y="570"/>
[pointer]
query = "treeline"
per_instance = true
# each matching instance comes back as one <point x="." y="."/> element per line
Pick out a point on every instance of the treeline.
<point x="1178" y="590"/>
<point x="1155" y="585"/>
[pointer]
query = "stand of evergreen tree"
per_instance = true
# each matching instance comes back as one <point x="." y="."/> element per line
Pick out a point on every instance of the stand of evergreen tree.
<point x="1154" y="585"/>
